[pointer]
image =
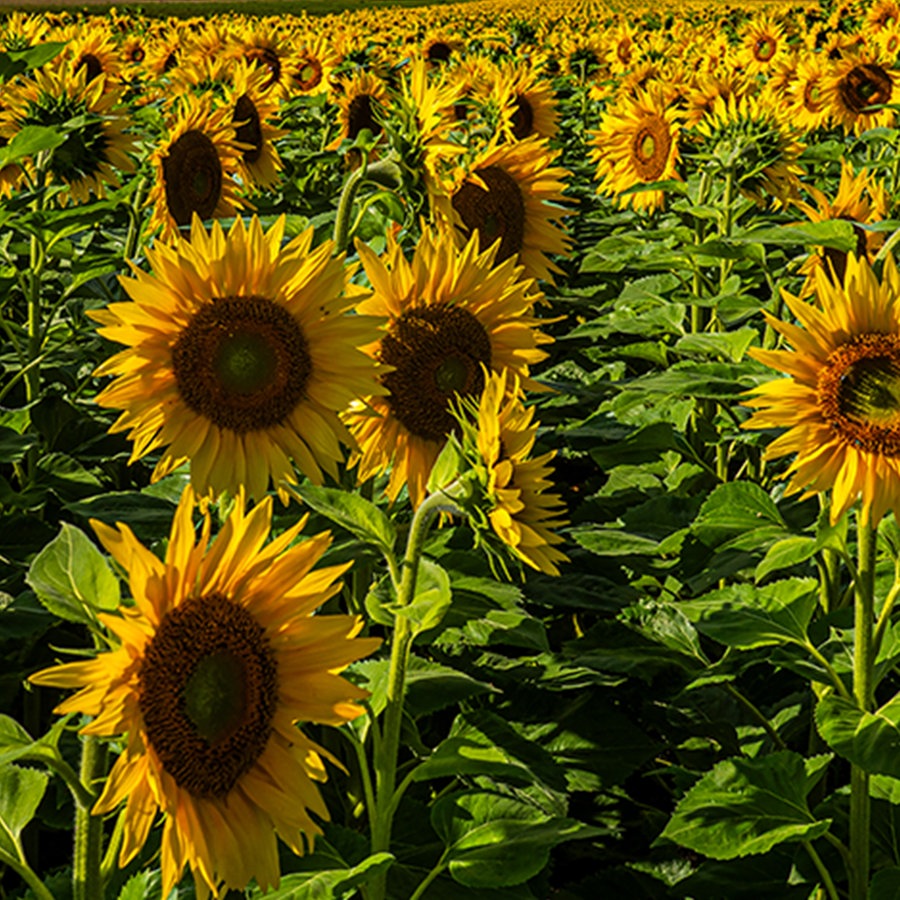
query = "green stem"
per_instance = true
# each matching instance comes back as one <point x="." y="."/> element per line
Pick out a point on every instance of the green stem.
<point x="757" y="714"/>
<point x="438" y="868"/>
<point x="822" y="870"/>
<point x="822" y="660"/>
<point x="134" y="221"/>
<point x="386" y="759"/>
<point x="884" y="618"/>
<point x="28" y="875"/>
<point x="87" y="879"/>
<point x="345" y="206"/>
<point x="863" y="665"/>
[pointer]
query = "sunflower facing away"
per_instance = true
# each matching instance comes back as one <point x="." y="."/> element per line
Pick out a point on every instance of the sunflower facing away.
<point x="217" y="660"/>
<point x="449" y="312"/>
<point x="509" y="194"/>
<point x="841" y="403"/>
<point x="521" y="511"/>
<point x="238" y="357"/>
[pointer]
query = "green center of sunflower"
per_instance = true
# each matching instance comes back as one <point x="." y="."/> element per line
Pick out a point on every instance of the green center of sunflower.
<point x="437" y="352"/>
<point x="867" y="84"/>
<point x="214" y="696"/>
<point x="308" y="76"/>
<point x="495" y="213"/>
<point x="242" y="363"/>
<point x="764" y="49"/>
<point x="83" y="151"/>
<point x="859" y="393"/>
<point x="208" y="691"/>
<point x="192" y="175"/>
<point x="650" y="147"/>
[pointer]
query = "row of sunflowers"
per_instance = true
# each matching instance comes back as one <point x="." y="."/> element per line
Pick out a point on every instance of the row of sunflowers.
<point x="414" y="370"/>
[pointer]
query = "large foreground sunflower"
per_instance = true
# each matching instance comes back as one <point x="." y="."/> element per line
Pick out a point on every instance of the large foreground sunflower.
<point x="450" y="312"/>
<point x="841" y="403"/>
<point x="238" y="357"/>
<point x="510" y="194"/>
<point x="521" y="510"/>
<point x="217" y="660"/>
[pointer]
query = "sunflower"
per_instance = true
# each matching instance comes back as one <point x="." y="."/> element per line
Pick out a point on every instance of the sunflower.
<point x="882" y="14"/>
<point x="842" y="400"/>
<point x="806" y="105"/>
<point x="521" y="511"/>
<point x="509" y="194"/>
<point x="213" y="665"/>
<point x="90" y="47"/>
<point x="309" y="66"/>
<point x="856" y="83"/>
<point x="637" y="143"/>
<point x="195" y="164"/>
<point x="860" y="199"/>
<point x="439" y="48"/>
<point x="527" y="104"/>
<point x="262" y="46"/>
<point x="252" y="112"/>
<point x="449" y="312"/>
<point x="763" y="45"/>
<point x="55" y="95"/>
<point x="361" y="99"/>
<point x="237" y="357"/>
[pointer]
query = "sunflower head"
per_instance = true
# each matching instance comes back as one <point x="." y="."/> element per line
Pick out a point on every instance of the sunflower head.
<point x="859" y="90"/>
<point x="212" y="666"/>
<point x="841" y="402"/>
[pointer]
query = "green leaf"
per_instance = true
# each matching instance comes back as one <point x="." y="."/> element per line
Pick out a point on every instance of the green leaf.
<point x="432" y="598"/>
<point x="30" y="140"/>
<point x="747" y="806"/>
<point x="733" y="510"/>
<point x="786" y="553"/>
<point x="72" y="579"/>
<point x="496" y="841"/>
<point x="330" y="884"/>
<point x="141" y="886"/>
<point x="467" y="755"/>
<point x="16" y="742"/>
<point x="13" y="445"/>
<point x="835" y="233"/>
<point x="21" y="790"/>
<point x="614" y="542"/>
<point x="666" y="624"/>
<point x="869" y="740"/>
<point x="447" y="467"/>
<point x="885" y="885"/>
<point x="730" y="345"/>
<point x="743" y="616"/>
<point x="360" y="517"/>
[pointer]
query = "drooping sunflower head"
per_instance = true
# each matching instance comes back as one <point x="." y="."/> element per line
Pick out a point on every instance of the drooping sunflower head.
<point x="637" y="143"/>
<point x="238" y="358"/>
<point x="509" y="194"/>
<point x="217" y="660"/>
<point x="451" y="312"/>
<point x="857" y="90"/>
<point x="362" y="99"/>
<point x="498" y="437"/>
<point x="92" y="154"/>
<point x="754" y="141"/>
<point x="841" y="403"/>
<point x="195" y="164"/>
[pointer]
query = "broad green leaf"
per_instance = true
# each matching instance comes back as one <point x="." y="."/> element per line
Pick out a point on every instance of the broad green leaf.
<point x="747" y="806"/>
<point x="360" y="517"/>
<point x="869" y="740"/>
<point x="733" y="510"/>
<point x="141" y="886"/>
<point x="447" y="467"/>
<point x="13" y="445"/>
<point x="21" y="790"/>
<point x="12" y="62"/>
<point x="666" y="624"/>
<point x="730" y="345"/>
<point x="432" y="598"/>
<point x="460" y="755"/>
<point x="331" y="884"/>
<point x="644" y="445"/>
<point x="885" y="885"/>
<point x="71" y="577"/>
<point x="614" y="542"/>
<point x="30" y="140"/>
<point x="835" y="233"/>
<point x="16" y="742"/>
<point x="150" y="517"/>
<point x="785" y="553"/>
<point x="496" y="841"/>
<point x="743" y="616"/>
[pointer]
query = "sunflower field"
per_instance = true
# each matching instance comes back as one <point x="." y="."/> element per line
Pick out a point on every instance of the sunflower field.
<point x="451" y="452"/>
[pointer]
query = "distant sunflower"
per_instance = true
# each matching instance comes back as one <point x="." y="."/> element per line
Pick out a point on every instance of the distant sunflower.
<point x="841" y="403"/>
<point x="238" y="357"/>
<point x="509" y="193"/>
<point x="763" y="45"/>
<point x="89" y="158"/>
<point x="882" y="14"/>
<point x="252" y="112"/>
<point x="91" y="47"/>
<point x="361" y="99"/>
<point x="527" y="104"/>
<point x="195" y="165"/>
<point x="309" y="66"/>
<point x="449" y="313"/>
<point x="637" y="143"/>
<point x="521" y="510"/>
<point x="265" y="48"/>
<point x="856" y="83"/>
<point x="219" y="658"/>
<point x="860" y="199"/>
<point x="440" y="47"/>
<point x="806" y="104"/>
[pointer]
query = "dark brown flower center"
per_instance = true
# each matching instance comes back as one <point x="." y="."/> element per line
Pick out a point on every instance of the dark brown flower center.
<point x="522" y="118"/>
<point x="266" y="56"/>
<point x="92" y="66"/>
<point x="438" y="51"/>
<point x="859" y="393"/>
<point x="137" y="55"/>
<point x="192" y="173"/>
<point x="495" y="213"/>
<point x="437" y="352"/>
<point x="242" y="363"/>
<point x="838" y="258"/>
<point x="360" y="115"/>
<point x="650" y="148"/>
<point x="208" y="694"/>
<point x="865" y="85"/>
<point x="249" y="131"/>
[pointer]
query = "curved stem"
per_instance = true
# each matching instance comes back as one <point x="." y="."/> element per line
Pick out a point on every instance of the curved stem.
<point x="112" y="849"/>
<point x="438" y="868"/>
<point x="822" y="660"/>
<point x="885" y="616"/>
<point x="863" y="666"/>
<point x="757" y="714"/>
<point x="28" y="875"/>
<point x="822" y="870"/>
<point x="345" y="206"/>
